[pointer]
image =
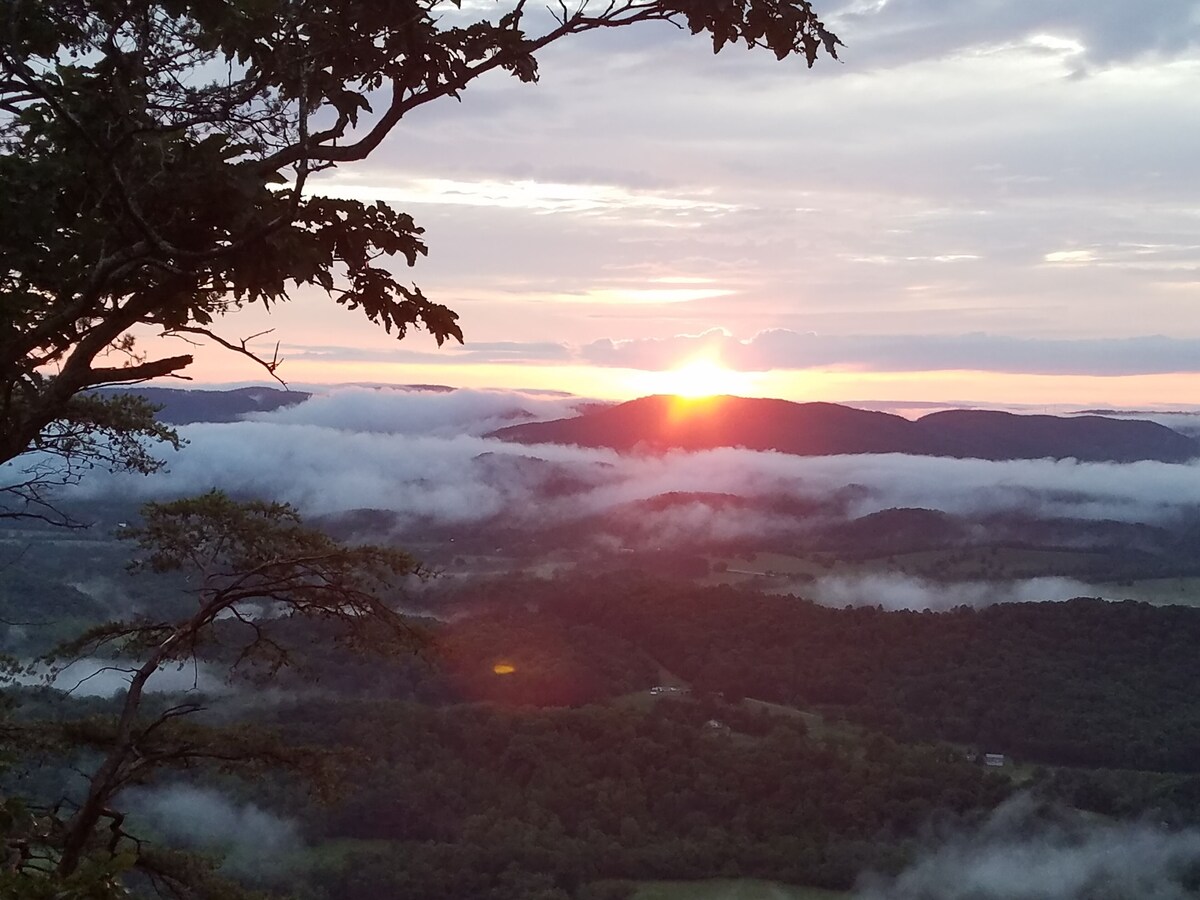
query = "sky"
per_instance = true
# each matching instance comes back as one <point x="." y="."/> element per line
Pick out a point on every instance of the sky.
<point x="983" y="201"/>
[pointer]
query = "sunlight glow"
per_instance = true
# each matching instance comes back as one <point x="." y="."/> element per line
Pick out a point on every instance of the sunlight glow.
<point x="701" y="377"/>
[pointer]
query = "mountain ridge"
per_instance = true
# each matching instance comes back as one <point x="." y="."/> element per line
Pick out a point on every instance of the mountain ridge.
<point x="661" y="422"/>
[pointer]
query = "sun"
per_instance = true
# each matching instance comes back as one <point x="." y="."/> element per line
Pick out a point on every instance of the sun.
<point x="703" y="377"/>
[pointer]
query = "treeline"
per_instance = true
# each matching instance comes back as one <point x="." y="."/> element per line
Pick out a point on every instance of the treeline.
<point x="480" y="801"/>
<point x="518" y="754"/>
<point x="1080" y="683"/>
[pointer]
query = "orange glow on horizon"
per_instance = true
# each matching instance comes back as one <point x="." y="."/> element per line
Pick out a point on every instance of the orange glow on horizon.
<point x="503" y="668"/>
<point x="215" y="367"/>
<point x="696" y="378"/>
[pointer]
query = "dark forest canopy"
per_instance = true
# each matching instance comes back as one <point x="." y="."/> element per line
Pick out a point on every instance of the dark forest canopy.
<point x="1062" y="683"/>
<point x="155" y="161"/>
<point x="567" y="775"/>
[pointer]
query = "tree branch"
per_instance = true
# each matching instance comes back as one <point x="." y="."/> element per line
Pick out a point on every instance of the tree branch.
<point x="241" y="347"/>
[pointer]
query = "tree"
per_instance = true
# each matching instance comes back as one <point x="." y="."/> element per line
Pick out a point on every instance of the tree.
<point x="238" y="556"/>
<point x="154" y="162"/>
<point x="155" y="158"/>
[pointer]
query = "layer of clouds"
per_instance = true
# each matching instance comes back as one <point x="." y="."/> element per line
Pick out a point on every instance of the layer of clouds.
<point x="785" y="349"/>
<point x="372" y="461"/>
<point x="906" y="592"/>
<point x="974" y="184"/>
<point x="428" y="413"/>
<point x="1019" y="854"/>
<point x="952" y="176"/>
<point x="1102" y="32"/>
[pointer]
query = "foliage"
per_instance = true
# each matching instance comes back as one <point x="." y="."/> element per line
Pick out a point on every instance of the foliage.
<point x="92" y="431"/>
<point x="253" y="563"/>
<point x="478" y="801"/>
<point x="155" y="161"/>
<point x="1062" y="683"/>
<point x="506" y="800"/>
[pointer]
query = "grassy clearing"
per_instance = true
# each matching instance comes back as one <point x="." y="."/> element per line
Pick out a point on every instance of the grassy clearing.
<point x="731" y="889"/>
<point x="817" y="726"/>
<point x="779" y="570"/>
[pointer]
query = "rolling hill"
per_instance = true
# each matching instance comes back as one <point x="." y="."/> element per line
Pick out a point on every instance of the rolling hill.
<point x="661" y="423"/>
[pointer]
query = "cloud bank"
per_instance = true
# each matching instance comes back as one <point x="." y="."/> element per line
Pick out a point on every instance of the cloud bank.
<point x="422" y="456"/>
<point x="1100" y="33"/>
<point x="428" y="413"/>
<point x="784" y="349"/>
<point x="1019" y="854"/>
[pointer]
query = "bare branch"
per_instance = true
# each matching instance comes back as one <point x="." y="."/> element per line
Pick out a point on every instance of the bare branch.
<point x="242" y="347"/>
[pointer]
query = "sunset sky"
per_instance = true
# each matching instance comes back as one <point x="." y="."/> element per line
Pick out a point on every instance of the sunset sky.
<point x="984" y="201"/>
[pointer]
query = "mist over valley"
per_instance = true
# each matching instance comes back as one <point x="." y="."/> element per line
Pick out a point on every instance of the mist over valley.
<point x="642" y="633"/>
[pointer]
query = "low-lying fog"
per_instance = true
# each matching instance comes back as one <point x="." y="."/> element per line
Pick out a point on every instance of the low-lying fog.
<point x="1021" y="852"/>
<point x="417" y="453"/>
<point x="96" y="677"/>
<point x="891" y="591"/>
<point x="424" y="457"/>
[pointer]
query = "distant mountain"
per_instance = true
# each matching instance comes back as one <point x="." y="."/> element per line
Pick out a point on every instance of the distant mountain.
<point x="896" y="531"/>
<point x="988" y="434"/>
<point x="182" y="407"/>
<point x="820" y="429"/>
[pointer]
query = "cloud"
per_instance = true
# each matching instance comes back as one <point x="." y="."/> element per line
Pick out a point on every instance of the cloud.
<point x="423" y="456"/>
<point x="1070" y="256"/>
<point x="1101" y="33"/>
<point x="951" y="144"/>
<point x="784" y="349"/>
<point x="251" y="838"/>
<point x="450" y="354"/>
<point x="432" y="413"/>
<point x="547" y="198"/>
<point x="1023" y="853"/>
<point x="904" y="592"/>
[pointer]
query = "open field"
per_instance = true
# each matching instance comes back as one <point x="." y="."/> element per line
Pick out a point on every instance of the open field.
<point x="731" y="889"/>
<point x="817" y="726"/>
